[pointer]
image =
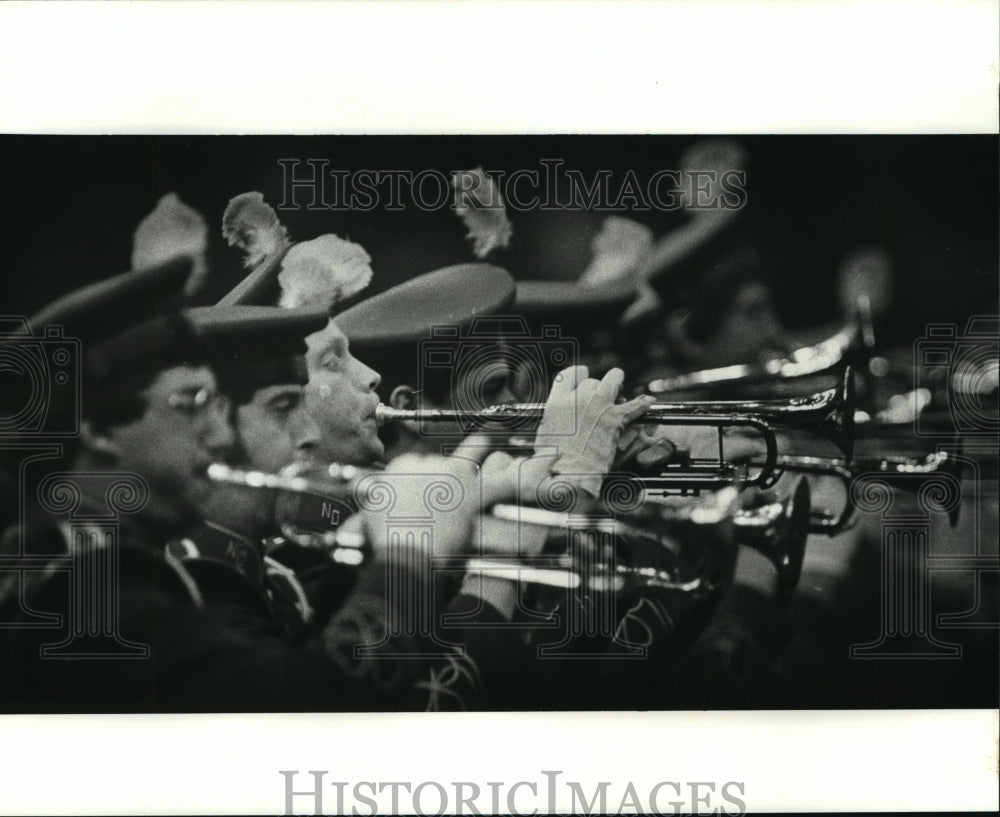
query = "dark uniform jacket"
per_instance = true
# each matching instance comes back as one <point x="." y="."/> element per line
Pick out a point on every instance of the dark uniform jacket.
<point x="617" y="649"/>
<point x="126" y="627"/>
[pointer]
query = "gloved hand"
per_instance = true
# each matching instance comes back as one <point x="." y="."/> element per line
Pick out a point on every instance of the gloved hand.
<point x="427" y="494"/>
<point x="703" y="441"/>
<point x="582" y="425"/>
<point x="644" y="447"/>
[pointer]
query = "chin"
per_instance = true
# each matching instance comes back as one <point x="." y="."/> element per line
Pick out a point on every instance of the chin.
<point x="368" y="451"/>
<point x="377" y="449"/>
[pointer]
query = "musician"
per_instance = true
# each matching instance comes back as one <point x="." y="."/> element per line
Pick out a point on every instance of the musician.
<point x="586" y="315"/>
<point x="332" y="367"/>
<point x="401" y="318"/>
<point x="257" y="354"/>
<point x="150" y="409"/>
<point x="438" y="342"/>
<point x="715" y="306"/>
<point x="734" y="642"/>
<point x="342" y="390"/>
<point x="153" y="414"/>
<point x="395" y="329"/>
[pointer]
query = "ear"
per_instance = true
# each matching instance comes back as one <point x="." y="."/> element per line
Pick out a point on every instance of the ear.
<point x="675" y="325"/>
<point x="98" y="442"/>
<point x="402" y="397"/>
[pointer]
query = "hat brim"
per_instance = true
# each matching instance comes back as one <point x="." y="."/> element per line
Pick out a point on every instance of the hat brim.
<point x="558" y="299"/>
<point x="406" y="313"/>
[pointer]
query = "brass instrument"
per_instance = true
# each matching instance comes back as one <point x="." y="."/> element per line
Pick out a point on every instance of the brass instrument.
<point x="849" y="346"/>
<point x="888" y="466"/>
<point x="598" y="553"/>
<point x="292" y="478"/>
<point x="828" y="413"/>
<point x="776" y="529"/>
<point x="779" y="530"/>
<point x="674" y="562"/>
<point x="332" y="488"/>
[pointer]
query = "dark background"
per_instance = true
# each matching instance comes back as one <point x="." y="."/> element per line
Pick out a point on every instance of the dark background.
<point x="72" y="204"/>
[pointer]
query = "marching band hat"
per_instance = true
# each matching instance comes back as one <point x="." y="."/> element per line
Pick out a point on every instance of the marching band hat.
<point x="124" y="320"/>
<point x="573" y="302"/>
<point x="590" y="315"/>
<point x="250" y="347"/>
<point x="263" y="286"/>
<point x="104" y="341"/>
<point x="450" y="297"/>
<point x="327" y="270"/>
<point x="384" y="330"/>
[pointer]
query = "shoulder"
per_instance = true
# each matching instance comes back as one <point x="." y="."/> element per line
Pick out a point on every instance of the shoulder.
<point x="35" y="536"/>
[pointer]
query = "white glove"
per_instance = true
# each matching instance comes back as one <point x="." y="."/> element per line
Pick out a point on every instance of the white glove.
<point x="645" y="447"/>
<point x="583" y="424"/>
<point x="430" y="502"/>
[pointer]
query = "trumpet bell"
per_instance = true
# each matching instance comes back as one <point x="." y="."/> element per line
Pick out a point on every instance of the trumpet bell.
<point x="840" y="423"/>
<point x="781" y="535"/>
<point x="797" y="532"/>
<point x="953" y="467"/>
<point x="852" y="345"/>
<point x="828" y="414"/>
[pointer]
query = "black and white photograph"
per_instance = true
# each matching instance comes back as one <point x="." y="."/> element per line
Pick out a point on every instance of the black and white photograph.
<point x="523" y="424"/>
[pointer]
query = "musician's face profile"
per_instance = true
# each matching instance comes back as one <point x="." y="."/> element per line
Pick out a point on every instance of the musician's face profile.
<point x="342" y="400"/>
<point x="184" y="429"/>
<point x="748" y="332"/>
<point x="275" y="429"/>
<point x="488" y="383"/>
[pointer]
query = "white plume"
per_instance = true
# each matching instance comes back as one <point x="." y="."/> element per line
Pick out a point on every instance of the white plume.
<point x="251" y="224"/>
<point x="479" y="204"/>
<point x="173" y="228"/>
<point x="323" y="272"/>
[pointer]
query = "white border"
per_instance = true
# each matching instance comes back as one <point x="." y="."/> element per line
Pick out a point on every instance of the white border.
<point x="224" y="764"/>
<point x="507" y="66"/>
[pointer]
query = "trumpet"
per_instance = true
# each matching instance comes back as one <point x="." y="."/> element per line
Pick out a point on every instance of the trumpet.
<point x="779" y="530"/>
<point x="828" y="414"/>
<point x="888" y="467"/>
<point x="606" y="554"/>
<point x="664" y="552"/>
<point x="670" y="561"/>
<point x="850" y="345"/>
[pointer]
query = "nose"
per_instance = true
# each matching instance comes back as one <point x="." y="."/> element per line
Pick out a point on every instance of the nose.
<point x="219" y="436"/>
<point x="365" y="376"/>
<point x="305" y="433"/>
